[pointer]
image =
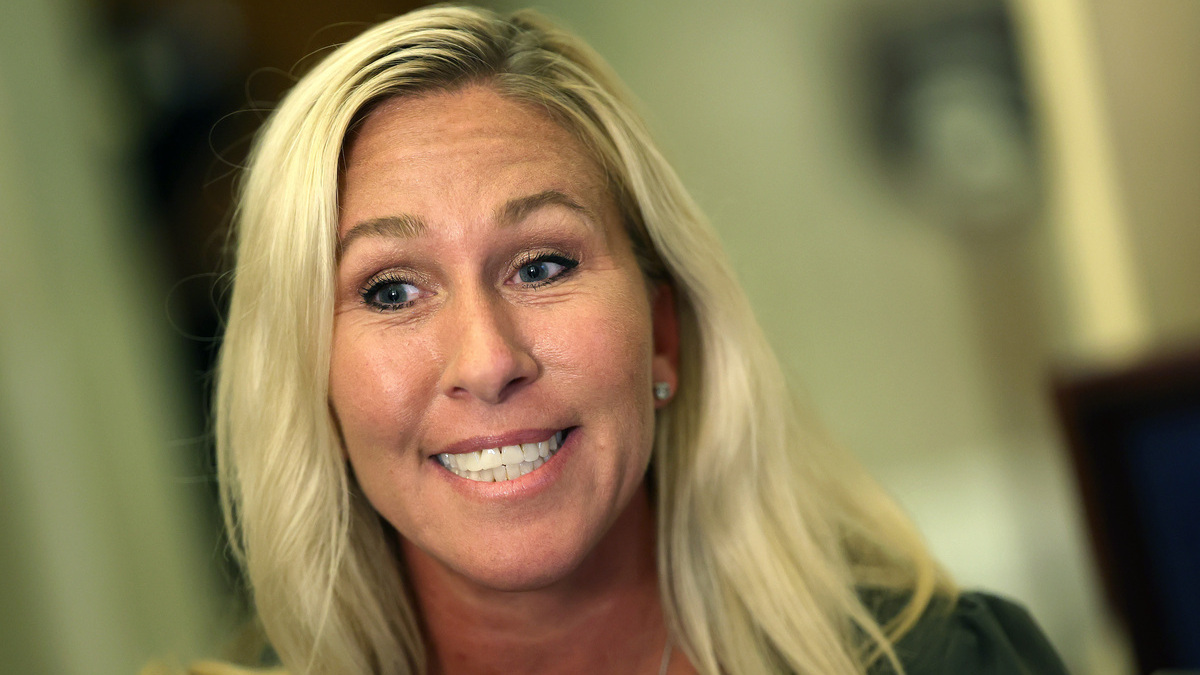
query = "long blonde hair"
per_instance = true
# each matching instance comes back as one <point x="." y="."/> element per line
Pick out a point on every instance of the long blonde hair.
<point x="767" y="536"/>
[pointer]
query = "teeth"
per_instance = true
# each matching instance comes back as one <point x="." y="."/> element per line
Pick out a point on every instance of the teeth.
<point x="467" y="462"/>
<point x="511" y="454"/>
<point x="490" y="459"/>
<point x="504" y="463"/>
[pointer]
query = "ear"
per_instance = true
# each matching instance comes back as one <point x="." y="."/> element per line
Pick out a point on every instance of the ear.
<point x="665" y="365"/>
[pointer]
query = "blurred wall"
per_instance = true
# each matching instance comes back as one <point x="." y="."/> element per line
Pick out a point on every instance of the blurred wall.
<point x="1149" y="56"/>
<point x="103" y="563"/>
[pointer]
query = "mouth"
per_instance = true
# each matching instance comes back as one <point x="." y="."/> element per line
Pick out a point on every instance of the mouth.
<point x="504" y="463"/>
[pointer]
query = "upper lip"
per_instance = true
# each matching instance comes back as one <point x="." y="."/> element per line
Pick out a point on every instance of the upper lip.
<point x="516" y="437"/>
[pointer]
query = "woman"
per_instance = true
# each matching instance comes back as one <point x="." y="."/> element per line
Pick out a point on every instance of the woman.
<point x="490" y="399"/>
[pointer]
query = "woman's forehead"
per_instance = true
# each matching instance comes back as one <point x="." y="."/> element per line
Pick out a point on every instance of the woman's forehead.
<point x="458" y="120"/>
<point x="471" y="148"/>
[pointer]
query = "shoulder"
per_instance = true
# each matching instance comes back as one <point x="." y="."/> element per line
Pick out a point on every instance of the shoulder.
<point x="977" y="634"/>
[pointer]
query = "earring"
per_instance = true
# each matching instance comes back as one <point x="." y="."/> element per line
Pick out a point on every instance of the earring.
<point x="662" y="391"/>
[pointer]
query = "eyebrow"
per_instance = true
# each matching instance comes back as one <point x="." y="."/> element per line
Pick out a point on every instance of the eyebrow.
<point x="515" y="210"/>
<point x="405" y="226"/>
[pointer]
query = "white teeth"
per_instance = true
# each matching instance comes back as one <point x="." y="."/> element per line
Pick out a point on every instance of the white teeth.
<point x="505" y="463"/>
<point x="511" y="454"/>
<point x="490" y="459"/>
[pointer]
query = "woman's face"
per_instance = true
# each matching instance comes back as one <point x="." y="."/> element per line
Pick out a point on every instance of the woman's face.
<point x="488" y="301"/>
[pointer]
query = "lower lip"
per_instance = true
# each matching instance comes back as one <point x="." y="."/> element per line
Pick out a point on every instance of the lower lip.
<point x="525" y="486"/>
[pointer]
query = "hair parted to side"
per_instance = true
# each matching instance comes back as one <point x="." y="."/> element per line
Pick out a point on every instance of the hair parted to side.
<point x="767" y="535"/>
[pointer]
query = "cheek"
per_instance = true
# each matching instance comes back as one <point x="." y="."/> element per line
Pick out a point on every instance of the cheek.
<point x="373" y="388"/>
<point x="623" y="351"/>
<point x="611" y="356"/>
<point x="605" y="335"/>
<point x="621" y="358"/>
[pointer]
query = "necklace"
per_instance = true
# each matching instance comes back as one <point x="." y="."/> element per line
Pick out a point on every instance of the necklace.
<point x="666" y="659"/>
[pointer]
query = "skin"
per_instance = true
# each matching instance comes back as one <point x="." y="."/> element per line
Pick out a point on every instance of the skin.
<point x="553" y="571"/>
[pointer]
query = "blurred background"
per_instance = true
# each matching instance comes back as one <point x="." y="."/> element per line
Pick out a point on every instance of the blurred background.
<point x="958" y="221"/>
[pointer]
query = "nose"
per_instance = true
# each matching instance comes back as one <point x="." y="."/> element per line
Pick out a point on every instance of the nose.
<point x="488" y="359"/>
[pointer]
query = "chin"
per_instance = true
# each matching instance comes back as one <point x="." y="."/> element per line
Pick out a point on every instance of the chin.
<point x="510" y="562"/>
<point x="519" y="578"/>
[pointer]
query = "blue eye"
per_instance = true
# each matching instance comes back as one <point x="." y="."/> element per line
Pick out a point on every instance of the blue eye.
<point x="543" y="269"/>
<point x="390" y="294"/>
<point x="539" y="271"/>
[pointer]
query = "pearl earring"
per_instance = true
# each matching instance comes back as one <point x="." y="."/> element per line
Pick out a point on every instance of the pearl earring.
<point x="662" y="391"/>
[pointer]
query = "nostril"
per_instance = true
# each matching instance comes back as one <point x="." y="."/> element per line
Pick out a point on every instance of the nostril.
<point x="514" y="385"/>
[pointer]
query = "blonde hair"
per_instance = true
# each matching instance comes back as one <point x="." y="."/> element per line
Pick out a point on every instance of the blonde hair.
<point x="768" y="538"/>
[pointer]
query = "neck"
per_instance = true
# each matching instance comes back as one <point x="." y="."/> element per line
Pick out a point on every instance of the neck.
<point x="604" y="617"/>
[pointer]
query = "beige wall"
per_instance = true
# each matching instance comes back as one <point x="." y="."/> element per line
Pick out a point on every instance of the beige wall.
<point x="1150" y="57"/>
<point x="103" y="562"/>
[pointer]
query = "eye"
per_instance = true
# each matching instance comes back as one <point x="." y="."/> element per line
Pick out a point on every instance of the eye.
<point x="390" y="294"/>
<point x="543" y="269"/>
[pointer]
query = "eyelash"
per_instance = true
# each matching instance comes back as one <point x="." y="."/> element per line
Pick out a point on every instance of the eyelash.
<point x="567" y="263"/>
<point x="377" y="284"/>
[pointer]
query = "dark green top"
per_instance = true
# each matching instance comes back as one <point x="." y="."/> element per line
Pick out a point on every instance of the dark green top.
<point x="980" y="635"/>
